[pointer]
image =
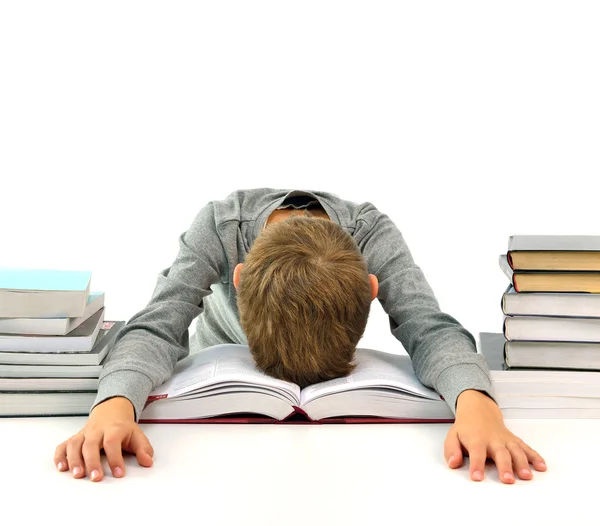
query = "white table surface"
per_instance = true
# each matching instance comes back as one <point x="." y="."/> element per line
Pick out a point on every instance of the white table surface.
<point x="299" y="474"/>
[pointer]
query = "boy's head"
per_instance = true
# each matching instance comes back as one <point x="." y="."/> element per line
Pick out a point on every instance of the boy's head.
<point x="303" y="296"/>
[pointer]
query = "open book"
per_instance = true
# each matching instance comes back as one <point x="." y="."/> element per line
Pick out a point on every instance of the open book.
<point x="222" y="384"/>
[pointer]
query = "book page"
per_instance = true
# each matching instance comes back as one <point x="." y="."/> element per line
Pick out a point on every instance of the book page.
<point x="374" y="369"/>
<point x="221" y="364"/>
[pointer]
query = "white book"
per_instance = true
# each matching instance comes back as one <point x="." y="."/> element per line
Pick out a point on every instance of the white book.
<point x="46" y="404"/>
<point x="48" y="384"/>
<point x="547" y="328"/>
<point x="82" y="339"/>
<point x="52" y="326"/>
<point x="223" y="381"/>
<point x="554" y="355"/>
<point x="50" y="371"/>
<point x="583" y="304"/>
<point x="554" y="243"/>
<point x="101" y="348"/>
<point x="545" y="413"/>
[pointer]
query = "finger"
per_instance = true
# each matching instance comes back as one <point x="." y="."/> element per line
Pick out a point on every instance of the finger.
<point x="60" y="457"/>
<point x="74" y="458"/>
<point x="477" y="458"/>
<point x="114" y="455"/>
<point x="453" y="450"/>
<point x="140" y="446"/>
<point x="519" y="461"/>
<point x="91" y="455"/>
<point x="503" y="461"/>
<point x="533" y="457"/>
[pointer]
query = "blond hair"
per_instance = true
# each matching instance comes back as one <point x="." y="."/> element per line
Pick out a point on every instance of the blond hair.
<point x="304" y="297"/>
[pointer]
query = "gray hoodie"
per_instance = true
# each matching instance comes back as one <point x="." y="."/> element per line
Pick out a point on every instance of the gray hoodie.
<point x="199" y="284"/>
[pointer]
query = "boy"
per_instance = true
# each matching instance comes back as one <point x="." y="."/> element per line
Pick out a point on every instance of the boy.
<point x="254" y="273"/>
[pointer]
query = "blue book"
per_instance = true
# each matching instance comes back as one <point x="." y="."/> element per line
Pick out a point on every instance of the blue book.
<point x="50" y="280"/>
<point x="37" y="293"/>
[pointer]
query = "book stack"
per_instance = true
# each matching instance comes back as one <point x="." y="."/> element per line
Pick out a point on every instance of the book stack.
<point x="53" y="340"/>
<point x="546" y="362"/>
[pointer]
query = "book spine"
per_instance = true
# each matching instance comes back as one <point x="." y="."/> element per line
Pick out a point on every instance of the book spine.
<point x="503" y="299"/>
<point x="509" y="259"/>
<point x="514" y="283"/>
<point x="298" y="415"/>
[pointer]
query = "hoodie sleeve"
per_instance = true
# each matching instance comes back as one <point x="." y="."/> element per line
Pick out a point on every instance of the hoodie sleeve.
<point x="443" y="352"/>
<point x="150" y="344"/>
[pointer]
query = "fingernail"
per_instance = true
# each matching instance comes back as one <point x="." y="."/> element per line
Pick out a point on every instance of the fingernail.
<point x="509" y="476"/>
<point x="477" y="475"/>
<point x="118" y="472"/>
<point x="525" y="473"/>
<point x="95" y="474"/>
<point x="543" y="465"/>
<point x="76" y="471"/>
<point x="61" y="466"/>
<point x="450" y="460"/>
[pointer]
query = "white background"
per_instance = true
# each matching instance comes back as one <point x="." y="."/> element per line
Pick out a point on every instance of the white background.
<point x="466" y="122"/>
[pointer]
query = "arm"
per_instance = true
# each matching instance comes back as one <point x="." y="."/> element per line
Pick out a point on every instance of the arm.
<point x="443" y="352"/>
<point x="144" y="356"/>
<point x="444" y="356"/>
<point x="148" y="347"/>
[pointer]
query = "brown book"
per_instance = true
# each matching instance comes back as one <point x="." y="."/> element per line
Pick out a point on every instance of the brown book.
<point x="554" y="253"/>
<point x="546" y="281"/>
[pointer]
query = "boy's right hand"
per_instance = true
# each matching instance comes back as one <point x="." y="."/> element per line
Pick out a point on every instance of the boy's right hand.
<point x="111" y="426"/>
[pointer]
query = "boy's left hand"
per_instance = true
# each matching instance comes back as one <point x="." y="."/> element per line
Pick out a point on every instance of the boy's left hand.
<point x="480" y="431"/>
